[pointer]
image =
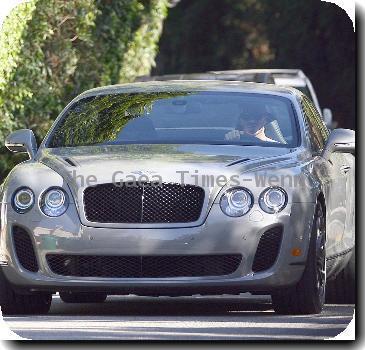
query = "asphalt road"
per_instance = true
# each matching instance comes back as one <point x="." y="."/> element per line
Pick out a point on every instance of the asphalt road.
<point x="194" y="318"/>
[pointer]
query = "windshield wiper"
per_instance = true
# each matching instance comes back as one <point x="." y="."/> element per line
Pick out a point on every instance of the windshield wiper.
<point x="238" y="161"/>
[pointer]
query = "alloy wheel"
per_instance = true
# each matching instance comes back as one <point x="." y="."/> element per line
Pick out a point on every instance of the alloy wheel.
<point x="321" y="256"/>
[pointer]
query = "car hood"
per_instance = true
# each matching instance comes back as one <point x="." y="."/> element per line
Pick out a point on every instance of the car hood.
<point x="208" y="166"/>
<point x="103" y="164"/>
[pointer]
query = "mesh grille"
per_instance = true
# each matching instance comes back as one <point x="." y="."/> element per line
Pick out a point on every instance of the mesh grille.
<point x="268" y="249"/>
<point x="24" y="249"/>
<point x="110" y="203"/>
<point x="143" y="203"/>
<point x="143" y="266"/>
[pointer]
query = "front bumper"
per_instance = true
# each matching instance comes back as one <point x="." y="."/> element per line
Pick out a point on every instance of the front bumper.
<point x="218" y="235"/>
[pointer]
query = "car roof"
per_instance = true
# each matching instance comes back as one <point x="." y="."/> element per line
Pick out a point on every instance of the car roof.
<point x="283" y="77"/>
<point x="290" y="81"/>
<point x="263" y="70"/>
<point x="183" y="76"/>
<point x="248" y="76"/>
<point x="192" y="85"/>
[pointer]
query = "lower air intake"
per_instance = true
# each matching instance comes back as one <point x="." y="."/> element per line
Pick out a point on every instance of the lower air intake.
<point x="268" y="249"/>
<point x="143" y="266"/>
<point x="24" y="249"/>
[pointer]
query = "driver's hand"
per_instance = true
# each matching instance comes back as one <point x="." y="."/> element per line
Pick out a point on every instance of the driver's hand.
<point x="232" y="135"/>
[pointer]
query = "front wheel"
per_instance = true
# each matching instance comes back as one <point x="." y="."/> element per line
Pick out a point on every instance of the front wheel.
<point x="70" y="297"/>
<point x="342" y="289"/>
<point x="308" y="295"/>
<point x="13" y="303"/>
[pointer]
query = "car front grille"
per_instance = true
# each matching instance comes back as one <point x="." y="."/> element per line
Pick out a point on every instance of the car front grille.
<point x="143" y="266"/>
<point x="24" y="249"/>
<point x="268" y="249"/>
<point x="143" y="202"/>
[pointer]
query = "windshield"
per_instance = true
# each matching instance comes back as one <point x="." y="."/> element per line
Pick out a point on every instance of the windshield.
<point x="177" y="117"/>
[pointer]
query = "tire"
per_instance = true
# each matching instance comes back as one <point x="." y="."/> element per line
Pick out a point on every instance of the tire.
<point x="342" y="290"/>
<point x="308" y="295"/>
<point x="70" y="297"/>
<point x="18" y="304"/>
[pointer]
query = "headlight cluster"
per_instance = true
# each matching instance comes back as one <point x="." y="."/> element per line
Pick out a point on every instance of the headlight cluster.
<point x="53" y="202"/>
<point x="273" y="200"/>
<point x="23" y="200"/>
<point x="238" y="201"/>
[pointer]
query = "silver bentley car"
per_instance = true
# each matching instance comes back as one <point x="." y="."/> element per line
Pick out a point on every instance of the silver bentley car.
<point x="180" y="188"/>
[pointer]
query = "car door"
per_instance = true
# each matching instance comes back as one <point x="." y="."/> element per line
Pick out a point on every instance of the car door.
<point x="333" y="175"/>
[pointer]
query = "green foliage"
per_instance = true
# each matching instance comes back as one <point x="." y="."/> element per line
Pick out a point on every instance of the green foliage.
<point x="100" y="119"/>
<point x="11" y="40"/>
<point x="51" y="50"/>
<point x="319" y="38"/>
<point x="214" y="34"/>
<point x="313" y="35"/>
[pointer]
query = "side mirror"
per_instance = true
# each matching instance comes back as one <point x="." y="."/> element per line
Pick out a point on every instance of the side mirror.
<point x="22" y="141"/>
<point x="327" y="117"/>
<point x="340" y="140"/>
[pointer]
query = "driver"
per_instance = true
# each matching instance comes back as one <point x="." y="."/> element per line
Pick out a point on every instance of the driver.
<point x="251" y="125"/>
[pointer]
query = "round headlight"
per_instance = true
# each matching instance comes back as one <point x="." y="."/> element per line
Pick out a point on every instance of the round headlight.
<point x="23" y="200"/>
<point x="272" y="200"/>
<point x="54" y="202"/>
<point x="236" y="201"/>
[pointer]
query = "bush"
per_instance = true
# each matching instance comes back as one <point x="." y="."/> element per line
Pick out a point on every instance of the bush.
<point x="51" y="50"/>
<point x="312" y="35"/>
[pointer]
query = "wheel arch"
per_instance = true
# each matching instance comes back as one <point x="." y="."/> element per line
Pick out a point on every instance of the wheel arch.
<point x="322" y="200"/>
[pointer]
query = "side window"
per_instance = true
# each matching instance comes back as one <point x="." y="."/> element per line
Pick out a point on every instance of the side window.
<point x="318" y="132"/>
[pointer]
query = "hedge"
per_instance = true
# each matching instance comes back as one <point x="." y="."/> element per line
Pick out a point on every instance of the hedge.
<point x="51" y="50"/>
<point x="313" y="35"/>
